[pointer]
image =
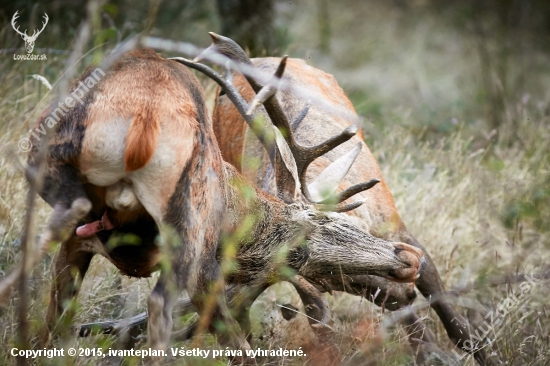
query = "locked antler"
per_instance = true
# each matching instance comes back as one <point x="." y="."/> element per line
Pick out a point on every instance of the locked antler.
<point x="289" y="158"/>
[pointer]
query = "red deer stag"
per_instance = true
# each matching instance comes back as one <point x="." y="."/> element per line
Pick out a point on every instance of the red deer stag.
<point x="311" y="125"/>
<point x="138" y="157"/>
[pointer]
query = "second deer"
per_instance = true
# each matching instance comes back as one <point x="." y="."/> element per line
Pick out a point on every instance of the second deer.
<point x="377" y="216"/>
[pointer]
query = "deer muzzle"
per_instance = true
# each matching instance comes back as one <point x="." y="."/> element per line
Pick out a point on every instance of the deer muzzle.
<point x="410" y="256"/>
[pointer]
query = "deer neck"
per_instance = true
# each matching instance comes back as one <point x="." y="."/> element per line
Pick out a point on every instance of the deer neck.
<point x="254" y="217"/>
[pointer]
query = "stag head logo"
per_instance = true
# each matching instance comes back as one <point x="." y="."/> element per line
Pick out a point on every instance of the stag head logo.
<point x="29" y="40"/>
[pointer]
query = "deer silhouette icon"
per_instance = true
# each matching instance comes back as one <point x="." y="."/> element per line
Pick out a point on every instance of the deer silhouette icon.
<point x="29" y="40"/>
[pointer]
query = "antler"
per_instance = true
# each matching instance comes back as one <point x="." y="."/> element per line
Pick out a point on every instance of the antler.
<point x="15" y="16"/>
<point x="303" y="155"/>
<point x="270" y="137"/>
<point x="34" y="34"/>
<point x="288" y="180"/>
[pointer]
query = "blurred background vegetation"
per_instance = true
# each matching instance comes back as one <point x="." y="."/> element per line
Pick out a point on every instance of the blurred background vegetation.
<point x="454" y="98"/>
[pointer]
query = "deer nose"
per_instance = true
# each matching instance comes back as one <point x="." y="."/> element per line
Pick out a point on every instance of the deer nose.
<point x="410" y="256"/>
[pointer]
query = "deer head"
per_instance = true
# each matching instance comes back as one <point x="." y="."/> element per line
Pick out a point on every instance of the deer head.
<point x="29" y="40"/>
<point x="332" y="243"/>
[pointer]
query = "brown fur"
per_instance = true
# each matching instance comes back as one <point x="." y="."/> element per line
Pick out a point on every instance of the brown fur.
<point x="230" y="137"/>
<point x="144" y="129"/>
<point x="142" y="139"/>
<point x="378" y="215"/>
<point x="145" y="124"/>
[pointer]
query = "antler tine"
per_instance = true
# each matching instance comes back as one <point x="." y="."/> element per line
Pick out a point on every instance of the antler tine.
<point x="353" y="190"/>
<point x="307" y="155"/>
<point x="340" y="208"/>
<point x="36" y="33"/>
<point x="303" y="155"/>
<point x="296" y="123"/>
<point x="230" y="49"/>
<point x="45" y="16"/>
<point x="13" y="19"/>
<point x="270" y="89"/>
<point x="269" y="135"/>
<point x="228" y="76"/>
<point x="330" y="178"/>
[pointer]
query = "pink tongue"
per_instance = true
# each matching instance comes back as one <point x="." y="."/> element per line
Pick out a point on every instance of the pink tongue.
<point x="95" y="227"/>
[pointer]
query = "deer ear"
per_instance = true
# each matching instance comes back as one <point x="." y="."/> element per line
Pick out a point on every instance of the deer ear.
<point x="328" y="181"/>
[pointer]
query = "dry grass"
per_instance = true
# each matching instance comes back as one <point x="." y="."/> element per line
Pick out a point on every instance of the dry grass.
<point x="478" y="201"/>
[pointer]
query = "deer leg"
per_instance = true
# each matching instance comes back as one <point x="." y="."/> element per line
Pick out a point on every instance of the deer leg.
<point x="215" y="315"/>
<point x="160" y="304"/>
<point x="417" y="329"/>
<point x="317" y="309"/>
<point x="62" y="223"/>
<point x="421" y="339"/>
<point x="394" y="296"/>
<point x="62" y="190"/>
<point x="68" y="270"/>
<point x="205" y="285"/>
<point x="315" y="304"/>
<point x="177" y="273"/>
<point x="240" y="300"/>
<point x="457" y="327"/>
